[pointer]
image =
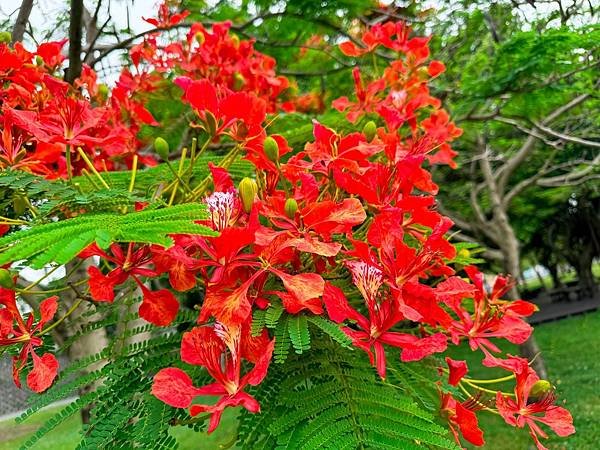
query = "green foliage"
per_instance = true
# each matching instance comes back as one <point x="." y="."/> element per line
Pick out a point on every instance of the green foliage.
<point x="61" y="241"/>
<point x="332" y="400"/>
<point x="124" y="414"/>
<point x="56" y="196"/>
<point x="292" y="330"/>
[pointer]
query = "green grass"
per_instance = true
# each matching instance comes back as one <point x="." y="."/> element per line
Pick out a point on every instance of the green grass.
<point x="571" y="348"/>
<point x="66" y="436"/>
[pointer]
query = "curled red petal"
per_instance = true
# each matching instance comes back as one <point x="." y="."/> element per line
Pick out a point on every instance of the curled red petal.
<point x="159" y="307"/>
<point x="174" y="387"/>
<point x="458" y="369"/>
<point x="48" y="308"/>
<point x="43" y="373"/>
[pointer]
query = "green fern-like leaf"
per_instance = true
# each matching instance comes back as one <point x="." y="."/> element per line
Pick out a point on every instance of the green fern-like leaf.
<point x="61" y="241"/>
<point x="333" y="400"/>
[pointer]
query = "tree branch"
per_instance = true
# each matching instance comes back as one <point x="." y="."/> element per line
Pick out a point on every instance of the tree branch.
<point x="566" y="137"/>
<point x="18" y="30"/>
<point x="574" y="177"/>
<point x="511" y="165"/>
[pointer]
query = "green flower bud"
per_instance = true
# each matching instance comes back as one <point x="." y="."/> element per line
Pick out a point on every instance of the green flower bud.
<point x="200" y="38"/>
<point x="370" y="130"/>
<point x="211" y="123"/>
<point x="541" y="388"/>
<point x="6" y="279"/>
<point x="5" y="37"/>
<point x="271" y="149"/>
<point x="248" y="190"/>
<point x="39" y="60"/>
<point x="238" y="81"/>
<point x="20" y="205"/>
<point x="162" y="148"/>
<point x="290" y="207"/>
<point x="103" y="90"/>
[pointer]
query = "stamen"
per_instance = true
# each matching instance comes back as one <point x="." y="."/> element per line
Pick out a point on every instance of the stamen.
<point x="224" y="208"/>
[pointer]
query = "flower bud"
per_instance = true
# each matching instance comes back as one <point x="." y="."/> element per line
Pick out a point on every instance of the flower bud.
<point x="235" y="41"/>
<point x="5" y="37"/>
<point x="290" y="207"/>
<point x="370" y="130"/>
<point x="211" y="123"/>
<point x="6" y="279"/>
<point x="20" y="205"/>
<point x="271" y="149"/>
<point x="248" y="190"/>
<point x="541" y="388"/>
<point x="200" y="38"/>
<point x="162" y="148"/>
<point x="103" y="90"/>
<point x="39" y="60"/>
<point x="464" y="253"/>
<point x="238" y="81"/>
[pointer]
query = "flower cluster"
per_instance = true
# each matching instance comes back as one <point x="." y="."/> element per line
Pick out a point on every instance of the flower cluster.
<point x="44" y="120"/>
<point x="358" y="206"/>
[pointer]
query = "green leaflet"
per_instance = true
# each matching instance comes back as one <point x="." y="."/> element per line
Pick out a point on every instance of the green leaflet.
<point x="333" y="399"/>
<point x="61" y="241"/>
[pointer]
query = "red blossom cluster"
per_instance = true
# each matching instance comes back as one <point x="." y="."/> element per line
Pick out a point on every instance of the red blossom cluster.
<point x="358" y="205"/>
<point x="45" y="120"/>
<point x="214" y="55"/>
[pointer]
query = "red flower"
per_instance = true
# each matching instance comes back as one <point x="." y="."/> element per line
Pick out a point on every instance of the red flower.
<point x="220" y="350"/>
<point x="165" y="18"/>
<point x="383" y="315"/>
<point x="367" y="97"/>
<point x="15" y="330"/>
<point x="157" y="307"/>
<point x="525" y="410"/>
<point x="239" y="112"/>
<point x="461" y="418"/>
<point x="491" y="317"/>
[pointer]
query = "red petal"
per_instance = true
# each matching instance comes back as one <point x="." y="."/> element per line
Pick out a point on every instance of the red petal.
<point x="304" y="287"/>
<point x="338" y="307"/>
<point x="228" y="307"/>
<point x="413" y="348"/>
<point x="259" y="371"/>
<point x="43" y="373"/>
<point x="201" y="346"/>
<point x="348" y="48"/>
<point x="468" y="424"/>
<point x="202" y="95"/>
<point x="522" y="308"/>
<point x="458" y="369"/>
<point x="48" y="308"/>
<point x="221" y="179"/>
<point x="174" y="387"/>
<point x="453" y="290"/>
<point x="158" y="307"/>
<point x="559" y="419"/>
<point x="435" y="68"/>
<point x="101" y="286"/>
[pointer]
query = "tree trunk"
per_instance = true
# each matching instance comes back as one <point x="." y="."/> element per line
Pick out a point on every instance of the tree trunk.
<point x="510" y="247"/>
<point x="556" y="281"/>
<point x="583" y="266"/>
<point x="88" y="344"/>
<point x="75" y="36"/>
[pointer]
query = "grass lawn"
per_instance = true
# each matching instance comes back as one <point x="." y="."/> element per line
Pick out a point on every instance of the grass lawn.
<point x="571" y="348"/>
